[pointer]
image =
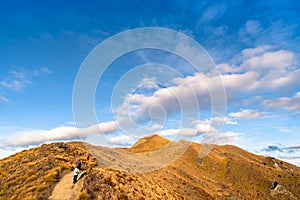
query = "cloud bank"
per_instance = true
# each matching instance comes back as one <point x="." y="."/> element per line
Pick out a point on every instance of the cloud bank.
<point x="34" y="137"/>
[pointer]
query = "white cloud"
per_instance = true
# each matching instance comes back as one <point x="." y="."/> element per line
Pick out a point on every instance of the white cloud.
<point x="275" y="79"/>
<point x="257" y="51"/>
<point x="185" y="95"/>
<point x="227" y="138"/>
<point x="260" y="68"/>
<point x="241" y="82"/>
<point x="121" y="140"/>
<point x="168" y="132"/>
<point x="226" y="120"/>
<point x="149" y="83"/>
<point x="246" y="114"/>
<point x="275" y="60"/>
<point x="231" y="122"/>
<point x="155" y="126"/>
<point x="225" y="68"/>
<point x="216" y="120"/>
<point x="201" y="127"/>
<point x="186" y="132"/>
<point x="71" y="123"/>
<point x="102" y="128"/>
<point x="188" y="93"/>
<point x="211" y="136"/>
<point x="290" y="104"/>
<point x="24" y="138"/>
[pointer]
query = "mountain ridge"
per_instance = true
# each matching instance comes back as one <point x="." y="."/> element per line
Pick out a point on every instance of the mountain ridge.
<point x="227" y="172"/>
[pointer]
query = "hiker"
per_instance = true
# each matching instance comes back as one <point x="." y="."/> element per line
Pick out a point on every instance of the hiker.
<point x="76" y="173"/>
<point x="78" y="164"/>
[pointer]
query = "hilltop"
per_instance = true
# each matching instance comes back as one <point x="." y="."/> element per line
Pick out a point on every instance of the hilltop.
<point x="227" y="172"/>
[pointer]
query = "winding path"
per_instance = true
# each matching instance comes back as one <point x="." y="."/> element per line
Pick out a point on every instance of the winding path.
<point x="64" y="189"/>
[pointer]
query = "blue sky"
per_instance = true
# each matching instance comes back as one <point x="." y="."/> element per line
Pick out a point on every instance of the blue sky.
<point x="254" y="44"/>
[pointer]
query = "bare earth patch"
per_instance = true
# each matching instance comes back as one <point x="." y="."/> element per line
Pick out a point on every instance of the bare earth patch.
<point x="65" y="189"/>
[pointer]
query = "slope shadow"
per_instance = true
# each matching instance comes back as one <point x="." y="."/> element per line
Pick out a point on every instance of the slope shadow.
<point x="81" y="176"/>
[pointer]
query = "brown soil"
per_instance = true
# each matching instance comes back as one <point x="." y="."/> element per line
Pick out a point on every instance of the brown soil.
<point x="65" y="189"/>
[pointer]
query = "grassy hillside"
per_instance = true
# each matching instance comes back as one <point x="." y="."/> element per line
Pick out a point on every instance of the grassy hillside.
<point x="227" y="172"/>
<point x="32" y="174"/>
<point x="230" y="173"/>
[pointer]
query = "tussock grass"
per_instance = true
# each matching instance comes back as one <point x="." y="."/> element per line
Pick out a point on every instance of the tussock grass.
<point x="2" y="173"/>
<point x="41" y="188"/>
<point x="29" y="198"/>
<point x="32" y="174"/>
<point x="83" y="195"/>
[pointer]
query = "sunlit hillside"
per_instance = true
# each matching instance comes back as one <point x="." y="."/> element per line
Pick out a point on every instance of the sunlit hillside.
<point x="227" y="172"/>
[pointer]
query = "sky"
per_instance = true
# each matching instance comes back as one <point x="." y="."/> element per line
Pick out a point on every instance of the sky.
<point x="253" y="45"/>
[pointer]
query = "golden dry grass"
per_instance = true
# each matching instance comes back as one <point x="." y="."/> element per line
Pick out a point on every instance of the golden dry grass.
<point x="150" y="143"/>
<point x="227" y="172"/>
<point x="83" y="195"/>
<point x="32" y="174"/>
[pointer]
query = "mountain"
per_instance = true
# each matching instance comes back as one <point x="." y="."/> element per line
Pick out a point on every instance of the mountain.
<point x="150" y="143"/>
<point x="227" y="172"/>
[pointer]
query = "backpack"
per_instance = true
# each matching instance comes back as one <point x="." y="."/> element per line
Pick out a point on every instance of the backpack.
<point x="78" y="164"/>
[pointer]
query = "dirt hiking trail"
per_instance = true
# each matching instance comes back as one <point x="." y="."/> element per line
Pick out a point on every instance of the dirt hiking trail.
<point x="65" y="190"/>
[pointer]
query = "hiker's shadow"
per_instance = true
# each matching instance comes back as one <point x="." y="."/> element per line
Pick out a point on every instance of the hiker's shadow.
<point x="81" y="176"/>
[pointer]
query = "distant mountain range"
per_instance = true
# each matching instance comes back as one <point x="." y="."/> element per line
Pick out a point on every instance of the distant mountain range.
<point x="227" y="172"/>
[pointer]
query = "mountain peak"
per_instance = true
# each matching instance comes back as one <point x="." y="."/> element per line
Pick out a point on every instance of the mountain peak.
<point x="150" y="143"/>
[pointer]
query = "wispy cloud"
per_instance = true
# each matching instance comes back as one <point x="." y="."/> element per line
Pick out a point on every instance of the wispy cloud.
<point x="15" y="84"/>
<point x="287" y="103"/>
<point x="253" y="27"/>
<point x="250" y="31"/>
<point x="3" y="99"/>
<point x="20" y="78"/>
<point x="213" y="12"/>
<point x="289" y="157"/>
